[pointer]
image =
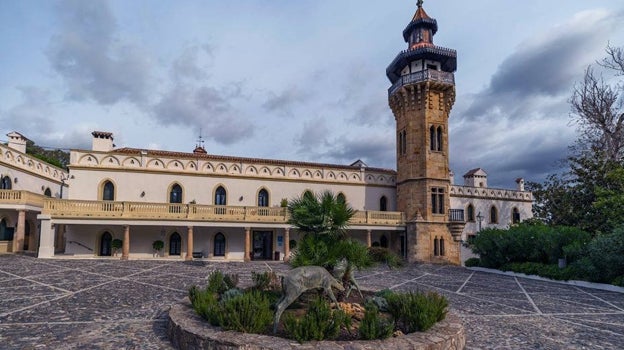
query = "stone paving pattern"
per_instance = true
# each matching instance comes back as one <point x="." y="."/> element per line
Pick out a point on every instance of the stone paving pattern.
<point x="108" y="303"/>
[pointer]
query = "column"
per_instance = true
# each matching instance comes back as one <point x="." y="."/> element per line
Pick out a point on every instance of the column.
<point x="46" y="238"/>
<point x="18" y="240"/>
<point x="247" y="244"/>
<point x="189" y="243"/>
<point x="286" y="243"/>
<point x="125" y="247"/>
<point x="369" y="238"/>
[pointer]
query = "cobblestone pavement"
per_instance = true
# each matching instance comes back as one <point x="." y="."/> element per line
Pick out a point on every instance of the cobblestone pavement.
<point x="91" y="304"/>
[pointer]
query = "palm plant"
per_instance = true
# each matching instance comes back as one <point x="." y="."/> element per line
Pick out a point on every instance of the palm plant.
<point x="323" y="220"/>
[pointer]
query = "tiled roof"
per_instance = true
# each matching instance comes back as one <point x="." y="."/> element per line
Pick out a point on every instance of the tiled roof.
<point x="171" y="154"/>
<point x="474" y="171"/>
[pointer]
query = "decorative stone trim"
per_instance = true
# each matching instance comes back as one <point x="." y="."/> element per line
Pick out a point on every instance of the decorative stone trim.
<point x="187" y="330"/>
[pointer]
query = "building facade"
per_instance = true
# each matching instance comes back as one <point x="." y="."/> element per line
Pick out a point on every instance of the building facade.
<point x="215" y="207"/>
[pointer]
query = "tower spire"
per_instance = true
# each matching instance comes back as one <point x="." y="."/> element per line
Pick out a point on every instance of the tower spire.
<point x="419" y="3"/>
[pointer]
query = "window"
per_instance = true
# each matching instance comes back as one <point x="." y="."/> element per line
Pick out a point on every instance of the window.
<point x="383" y="203"/>
<point x="219" y="244"/>
<point x="437" y="200"/>
<point x="402" y="141"/>
<point x="439" y="139"/>
<point x="6" y="183"/>
<point x="470" y="212"/>
<point x="515" y="216"/>
<point x="175" y="196"/>
<point x="341" y="198"/>
<point x="47" y="192"/>
<point x="436" y="247"/>
<point x="432" y="138"/>
<point x="493" y="215"/>
<point x="263" y="198"/>
<point x="220" y="196"/>
<point x="175" y="244"/>
<point x="108" y="191"/>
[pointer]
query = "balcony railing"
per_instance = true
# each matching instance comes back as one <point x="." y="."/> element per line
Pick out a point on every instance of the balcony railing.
<point x="194" y="212"/>
<point x="456" y="215"/>
<point x="427" y="74"/>
<point x="21" y="197"/>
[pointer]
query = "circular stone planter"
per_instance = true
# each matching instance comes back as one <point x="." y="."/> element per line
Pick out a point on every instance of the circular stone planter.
<point x="187" y="331"/>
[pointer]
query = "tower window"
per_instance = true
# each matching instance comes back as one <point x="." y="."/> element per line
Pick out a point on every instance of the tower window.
<point x="402" y="142"/>
<point x="108" y="192"/>
<point x="439" y="139"/>
<point x="432" y="67"/>
<point x="175" y="196"/>
<point x="436" y="247"/>
<point x="437" y="200"/>
<point x="432" y="138"/>
<point x="383" y="203"/>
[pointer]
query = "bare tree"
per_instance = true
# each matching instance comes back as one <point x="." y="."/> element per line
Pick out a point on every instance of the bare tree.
<point x="598" y="110"/>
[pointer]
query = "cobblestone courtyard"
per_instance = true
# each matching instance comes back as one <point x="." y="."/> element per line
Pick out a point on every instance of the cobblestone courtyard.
<point x="90" y="304"/>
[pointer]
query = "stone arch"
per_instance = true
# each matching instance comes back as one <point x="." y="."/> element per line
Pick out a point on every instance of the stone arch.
<point x="110" y="161"/>
<point x="87" y="159"/>
<point x="131" y="162"/>
<point x="155" y="164"/>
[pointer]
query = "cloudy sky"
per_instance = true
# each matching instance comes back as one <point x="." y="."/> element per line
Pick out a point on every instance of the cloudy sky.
<point x="296" y="80"/>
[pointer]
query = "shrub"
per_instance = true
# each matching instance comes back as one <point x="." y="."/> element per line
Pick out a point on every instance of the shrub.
<point x="604" y="260"/>
<point x="206" y="304"/>
<point x="472" y="262"/>
<point x="385" y="256"/>
<point x="380" y="302"/>
<point x="549" y="271"/>
<point x="319" y="323"/>
<point x="417" y="311"/>
<point x="265" y="280"/>
<point x="219" y="283"/>
<point x="247" y="313"/>
<point x="158" y="245"/>
<point x="373" y="326"/>
<point x="230" y="294"/>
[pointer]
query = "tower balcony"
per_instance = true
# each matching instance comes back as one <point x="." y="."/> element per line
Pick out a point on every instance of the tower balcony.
<point x="427" y="74"/>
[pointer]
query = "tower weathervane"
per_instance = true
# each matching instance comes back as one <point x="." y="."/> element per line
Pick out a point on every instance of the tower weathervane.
<point x="419" y="3"/>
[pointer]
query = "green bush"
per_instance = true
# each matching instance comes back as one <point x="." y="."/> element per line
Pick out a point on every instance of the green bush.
<point x="472" y="262"/>
<point x="319" y="323"/>
<point x="219" y="282"/>
<point x="373" y="326"/>
<point x="380" y="302"/>
<point x="265" y="280"/>
<point x="247" y="313"/>
<point x="529" y="243"/>
<point x="416" y="311"/>
<point x="206" y="304"/>
<point x="549" y="271"/>
<point x="604" y="258"/>
<point x="385" y="256"/>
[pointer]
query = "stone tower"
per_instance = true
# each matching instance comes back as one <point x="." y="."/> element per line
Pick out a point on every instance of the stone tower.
<point x="421" y="97"/>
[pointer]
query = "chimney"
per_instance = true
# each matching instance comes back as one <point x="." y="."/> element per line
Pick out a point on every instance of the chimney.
<point x="520" y="182"/>
<point x="17" y="141"/>
<point x="452" y="177"/>
<point x="102" y="141"/>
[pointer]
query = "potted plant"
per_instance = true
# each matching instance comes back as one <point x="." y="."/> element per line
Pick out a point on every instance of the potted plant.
<point x="158" y="245"/>
<point x="116" y="245"/>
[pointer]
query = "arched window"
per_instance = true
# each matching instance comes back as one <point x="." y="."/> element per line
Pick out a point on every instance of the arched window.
<point x="383" y="203"/>
<point x="108" y="191"/>
<point x="263" y="198"/>
<point x="436" y="247"/>
<point x="470" y="213"/>
<point x="105" y="244"/>
<point x="341" y="198"/>
<point x="493" y="215"/>
<point x="175" y="244"/>
<point x="6" y="183"/>
<point x="432" y="138"/>
<point x="442" y="247"/>
<point x="515" y="216"/>
<point x="439" y="139"/>
<point x="383" y="241"/>
<point x="175" y="196"/>
<point x="219" y="244"/>
<point x="220" y="196"/>
<point x="47" y="192"/>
